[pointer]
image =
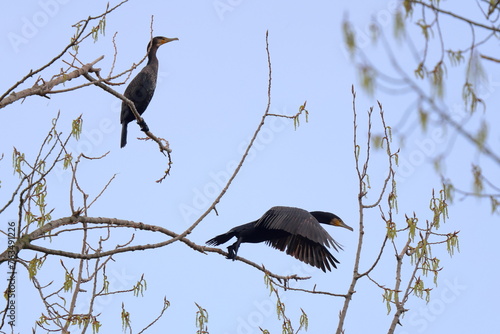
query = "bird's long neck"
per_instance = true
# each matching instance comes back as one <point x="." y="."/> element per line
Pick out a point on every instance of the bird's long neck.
<point x="321" y="217"/>
<point x="152" y="60"/>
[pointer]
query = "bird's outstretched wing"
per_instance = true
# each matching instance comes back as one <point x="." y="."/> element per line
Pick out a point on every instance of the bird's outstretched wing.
<point x="306" y="251"/>
<point x="305" y="238"/>
<point x="296" y="222"/>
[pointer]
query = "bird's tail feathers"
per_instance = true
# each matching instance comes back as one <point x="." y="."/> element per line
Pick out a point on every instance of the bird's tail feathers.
<point x="124" y="135"/>
<point x="220" y="239"/>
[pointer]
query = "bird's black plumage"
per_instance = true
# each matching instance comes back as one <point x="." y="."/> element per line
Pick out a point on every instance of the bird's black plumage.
<point x="142" y="87"/>
<point x="292" y="230"/>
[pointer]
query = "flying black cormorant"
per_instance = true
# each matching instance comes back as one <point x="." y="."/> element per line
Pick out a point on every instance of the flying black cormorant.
<point x="293" y="230"/>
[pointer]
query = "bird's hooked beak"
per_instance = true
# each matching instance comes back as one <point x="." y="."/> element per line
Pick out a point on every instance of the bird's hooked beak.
<point x="165" y="40"/>
<point x="338" y="222"/>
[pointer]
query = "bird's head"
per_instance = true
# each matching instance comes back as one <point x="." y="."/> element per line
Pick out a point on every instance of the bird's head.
<point x="160" y="40"/>
<point x="336" y="221"/>
<point x="330" y="219"/>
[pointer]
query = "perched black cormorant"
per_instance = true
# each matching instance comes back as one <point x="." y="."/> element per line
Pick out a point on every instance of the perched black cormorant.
<point x="289" y="229"/>
<point x="142" y="87"/>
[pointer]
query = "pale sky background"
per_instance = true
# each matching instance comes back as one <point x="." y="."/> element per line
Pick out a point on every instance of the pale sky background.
<point x="211" y="94"/>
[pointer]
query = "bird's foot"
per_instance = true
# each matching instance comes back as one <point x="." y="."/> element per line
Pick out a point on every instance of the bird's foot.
<point x="231" y="254"/>
<point x="143" y="125"/>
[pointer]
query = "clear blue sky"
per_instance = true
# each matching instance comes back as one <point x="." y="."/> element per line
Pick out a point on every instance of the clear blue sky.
<point x="211" y="93"/>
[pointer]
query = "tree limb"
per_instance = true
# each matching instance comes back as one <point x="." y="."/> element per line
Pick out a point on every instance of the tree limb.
<point x="46" y="87"/>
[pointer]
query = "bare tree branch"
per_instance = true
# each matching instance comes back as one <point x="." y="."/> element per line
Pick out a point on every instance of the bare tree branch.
<point x="44" y="89"/>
